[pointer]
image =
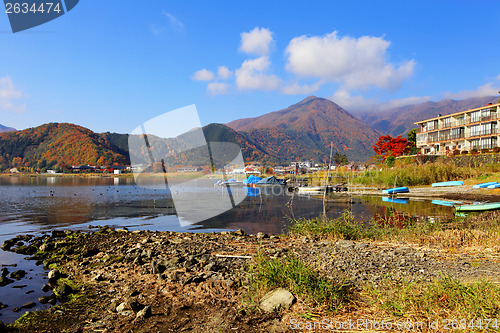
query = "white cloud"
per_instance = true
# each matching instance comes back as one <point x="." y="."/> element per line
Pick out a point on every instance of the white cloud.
<point x="297" y="89"/>
<point x="224" y="73"/>
<point x="396" y="103"/>
<point x="356" y="63"/>
<point x="257" y="42"/>
<point x="217" y="88"/>
<point x="484" y="90"/>
<point x="203" y="75"/>
<point x="498" y="77"/>
<point x="175" y="23"/>
<point x="251" y="75"/>
<point x="8" y="93"/>
<point x="359" y="103"/>
<point x="156" y="30"/>
<point x="343" y="98"/>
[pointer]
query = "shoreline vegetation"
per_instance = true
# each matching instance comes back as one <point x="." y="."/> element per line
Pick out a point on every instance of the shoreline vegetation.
<point x="336" y="270"/>
<point x="413" y="171"/>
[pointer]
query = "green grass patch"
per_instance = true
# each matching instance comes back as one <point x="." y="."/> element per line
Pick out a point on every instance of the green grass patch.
<point x="444" y="298"/>
<point x="418" y="175"/>
<point x="340" y="228"/>
<point x="346" y="227"/>
<point x="300" y="279"/>
<point x="475" y="230"/>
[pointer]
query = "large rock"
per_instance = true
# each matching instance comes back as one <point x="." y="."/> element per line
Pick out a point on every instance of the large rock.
<point x="54" y="275"/>
<point x="278" y="298"/>
<point x="5" y="281"/>
<point x="19" y="274"/>
<point x="62" y="289"/>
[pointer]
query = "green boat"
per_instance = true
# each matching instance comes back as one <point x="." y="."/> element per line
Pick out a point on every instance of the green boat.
<point x="478" y="207"/>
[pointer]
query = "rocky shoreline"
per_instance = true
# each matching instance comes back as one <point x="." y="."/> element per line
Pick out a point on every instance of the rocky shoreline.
<point x="143" y="281"/>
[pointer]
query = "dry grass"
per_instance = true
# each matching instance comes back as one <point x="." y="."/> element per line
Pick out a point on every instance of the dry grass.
<point x="475" y="232"/>
<point x="444" y="299"/>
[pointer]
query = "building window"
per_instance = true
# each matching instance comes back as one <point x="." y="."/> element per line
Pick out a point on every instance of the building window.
<point x="474" y="130"/>
<point x="457" y="133"/>
<point x="485" y="114"/>
<point x="475" y="116"/>
<point x="430" y="126"/>
<point x="447" y="122"/>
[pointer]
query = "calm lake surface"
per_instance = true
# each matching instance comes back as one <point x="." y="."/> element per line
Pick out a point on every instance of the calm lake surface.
<point x="36" y="205"/>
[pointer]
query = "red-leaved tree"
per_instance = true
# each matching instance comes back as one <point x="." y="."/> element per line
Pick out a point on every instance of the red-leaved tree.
<point x="388" y="145"/>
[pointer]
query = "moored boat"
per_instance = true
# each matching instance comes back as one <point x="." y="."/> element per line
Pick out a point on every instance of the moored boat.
<point x="478" y="207"/>
<point x="395" y="190"/>
<point x="311" y="189"/>
<point x="493" y="186"/>
<point x="484" y="185"/>
<point x="450" y="183"/>
<point x="446" y="202"/>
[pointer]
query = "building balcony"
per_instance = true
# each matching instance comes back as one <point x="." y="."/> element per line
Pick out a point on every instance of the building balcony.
<point x="476" y="134"/>
<point x="457" y="123"/>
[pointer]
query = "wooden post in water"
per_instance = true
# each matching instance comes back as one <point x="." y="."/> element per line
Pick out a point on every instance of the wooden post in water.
<point x="326" y="182"/>
<point x="395" y="180"/>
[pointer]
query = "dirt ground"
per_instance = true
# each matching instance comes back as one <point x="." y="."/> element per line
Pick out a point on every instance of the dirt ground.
<point x="143" y="281"/>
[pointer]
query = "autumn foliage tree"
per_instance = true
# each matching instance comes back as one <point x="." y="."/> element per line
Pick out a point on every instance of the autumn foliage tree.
<point x="388" y="145"/>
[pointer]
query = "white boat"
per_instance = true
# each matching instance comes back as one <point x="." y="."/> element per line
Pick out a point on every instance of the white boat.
<point x="311" y="189"/>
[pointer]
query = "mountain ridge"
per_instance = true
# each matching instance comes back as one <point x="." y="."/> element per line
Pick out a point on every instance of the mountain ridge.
<point x="56" y="145"/>
<point x="398" y="121"/>
<point x="4" y="128"/>
<point x="302" y="131"/>
<point x="307" y="129"/>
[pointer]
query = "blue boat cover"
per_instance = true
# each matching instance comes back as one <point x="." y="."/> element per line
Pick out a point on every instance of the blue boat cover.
<point x="252" y="180"/>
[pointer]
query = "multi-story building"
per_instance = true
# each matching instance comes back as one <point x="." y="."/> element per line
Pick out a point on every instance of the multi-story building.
<point x="467" y="130"/>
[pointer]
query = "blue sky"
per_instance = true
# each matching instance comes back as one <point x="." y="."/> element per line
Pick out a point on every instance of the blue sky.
<point x="111" y="65"/>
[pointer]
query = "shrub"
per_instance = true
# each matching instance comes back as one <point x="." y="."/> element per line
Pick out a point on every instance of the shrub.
<point x="389" y="161"/>
<point x="464" y="152"/>
<point x="456" y="152"/>
<point x="474" y="151"/>
<point x="496" y="150"/>
<point x="485" y="150"/>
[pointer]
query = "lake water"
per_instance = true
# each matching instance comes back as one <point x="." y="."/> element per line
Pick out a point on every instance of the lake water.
<point x="36" y="205"/>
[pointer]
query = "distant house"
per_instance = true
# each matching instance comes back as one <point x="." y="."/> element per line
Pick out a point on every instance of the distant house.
<point x="303" y="164"/>
<point x="14" y="170"/>
<point x="252" y="170"/>
<point x="78" y="168"/>
<point x="284" y="170"/>
<point x="352" y="167"/>
<point x="189" y="169"/>
<point x="117" y="172"/>
<point x="238" y="171"/>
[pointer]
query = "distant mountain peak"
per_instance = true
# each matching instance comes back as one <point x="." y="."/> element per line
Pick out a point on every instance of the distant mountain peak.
<point x="310" y="98"/>
<point x="307" y="128"/>
<point x="6" y="129"/>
